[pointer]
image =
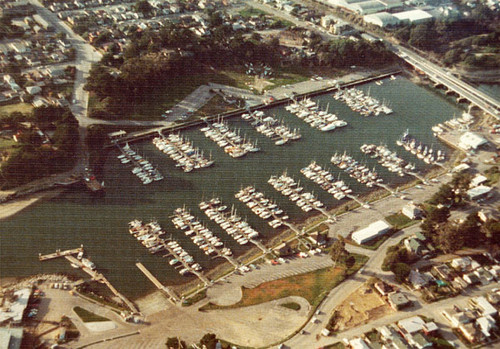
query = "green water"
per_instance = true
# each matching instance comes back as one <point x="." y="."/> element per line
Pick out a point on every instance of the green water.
<point x="100" y="224"/>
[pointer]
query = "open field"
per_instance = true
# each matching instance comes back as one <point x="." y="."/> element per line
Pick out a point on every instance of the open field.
<point x="24" y="108"/>
<point x="362" y="306"/>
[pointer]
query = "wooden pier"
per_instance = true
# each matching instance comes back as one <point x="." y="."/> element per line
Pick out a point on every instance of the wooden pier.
<point x="59" y="253"/>
<point x="172" y="296"/>
<point x="363" y="204"/>
<point x="101" y="278"/>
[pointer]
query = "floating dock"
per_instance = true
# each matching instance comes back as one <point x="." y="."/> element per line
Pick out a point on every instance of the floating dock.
<point x="59" y="253"/>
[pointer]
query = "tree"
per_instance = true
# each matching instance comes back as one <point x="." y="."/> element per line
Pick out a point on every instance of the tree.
<point x="338" y="250"/>
<point x="449" y="238"/>
<point x="401" y="271"/>
<point x="175" y="343"/>
<point x="144" y="7"/>
<point x="209" y="340"/>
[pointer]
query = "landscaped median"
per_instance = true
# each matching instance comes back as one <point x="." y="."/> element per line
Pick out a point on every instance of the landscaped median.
<point x="313" y="286"/>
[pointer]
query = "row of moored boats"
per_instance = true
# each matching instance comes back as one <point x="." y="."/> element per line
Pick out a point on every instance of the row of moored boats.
<point x="354" y="169"/>
<point x="307" y="110"/>
<point x="338" y="188"/>
<point x="143" y="169"/>
<point x="271" y="127"/>
<point x="362" y="103"/>
<point x="388" y="158"/>
<point x="236" y="227"/>
<point x="182" y="151"/>
<point x="229" y="140"/>
<point x="422" y="151"/>
<point x="150" y="236"/>
<point x="262" y="206"/>
<point x="201" y="236"/>
<point x="287" y="186"/>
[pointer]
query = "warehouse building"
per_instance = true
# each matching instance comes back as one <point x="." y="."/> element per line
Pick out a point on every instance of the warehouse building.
<point x="370" y="232"/>
<point x="381" y="19"/>
<point x="413" y="17"/>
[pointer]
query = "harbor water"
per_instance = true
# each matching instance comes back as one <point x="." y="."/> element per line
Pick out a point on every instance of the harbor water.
<point x="101" y="223"/>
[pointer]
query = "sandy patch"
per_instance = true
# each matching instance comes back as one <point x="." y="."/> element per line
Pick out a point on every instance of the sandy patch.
<point x="10" y="208"/>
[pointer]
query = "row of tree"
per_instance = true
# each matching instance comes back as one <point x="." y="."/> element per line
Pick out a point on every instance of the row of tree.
<point x="32" y="159"/>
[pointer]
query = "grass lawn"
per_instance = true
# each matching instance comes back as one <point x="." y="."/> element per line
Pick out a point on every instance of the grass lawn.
<point x="6" y="144"/>
<point x="88" y="316"/>
<point x="248" y="12"/>
<point x="400" y="221"/>
<point x="24" y="108"/>
<point x="312" y="286"/>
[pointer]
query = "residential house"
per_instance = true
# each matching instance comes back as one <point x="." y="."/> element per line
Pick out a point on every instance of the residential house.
<point x="442" y="271"/>
<point x="486" y="324"/>
<point x="462" y="263"/>
<point x="484" y="275"/>
<point x="358" y="343"/>
<point x="383" y="288"/>
<point x="415" y="247"/>
<point x="493" y="297"/>
<point x="411" y="325"/>
<point x="398" y="300"/>
<point x="471" y="279"/>
<point x="470" y="332"/>
<point x="430" y="328"/>
<point x="459" y="283"/>
<point x="456" y="316"/>
<point x="419" y="341"/>
<point x="418" y="280"/>
<point x="484" y="306"/>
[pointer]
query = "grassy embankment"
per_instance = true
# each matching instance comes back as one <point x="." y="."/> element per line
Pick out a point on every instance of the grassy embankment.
<point x="88" y="316"/>
<point x="313" y="286"/>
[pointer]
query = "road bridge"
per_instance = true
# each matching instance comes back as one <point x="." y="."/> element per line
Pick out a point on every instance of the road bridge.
<point x="443" y="77"/>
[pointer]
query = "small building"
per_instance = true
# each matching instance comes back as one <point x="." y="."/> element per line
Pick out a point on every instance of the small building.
<point x="477" y="180"/>
<point x="418" y="280"/>
<point x="398" y="300"/>
<point x="471" y="279"/>
<point x="415" y="247"/>
<point x="43" y="23"/>
<point x="411" y="325"/>
<point x="470" y="332"/>
<point x="374" y="230"/>
<point x="456" y="316"/>
<point x="11" y="337"/>
<point x="383" y="288"/>
<point x="442" y="271"/>
<point x="484" y="306"/>
<point x="33" y="90"/>
<point x="358" y="343"/>
<point x="459" y="283"/>
<point x="412" y="211"/>
<point x="367" y="7"/>
<point x="419" y="341"/>
<point x="478" y="192"/>
<point x="470" y="140"/>
<point x="461" y="263"/>
<point x="430" y="328"/>
<point x="413" y="16"/>
<point x="381" y="19"/>
<point x="486" y="324"/>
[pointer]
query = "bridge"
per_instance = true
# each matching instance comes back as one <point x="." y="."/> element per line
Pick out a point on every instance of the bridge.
<point x="443" y="77"/>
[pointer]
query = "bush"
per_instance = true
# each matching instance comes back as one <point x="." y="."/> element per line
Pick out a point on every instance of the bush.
<point x="401" y="271"/>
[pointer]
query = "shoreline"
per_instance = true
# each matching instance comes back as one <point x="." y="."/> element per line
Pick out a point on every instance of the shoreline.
<point x="13" y="207"/>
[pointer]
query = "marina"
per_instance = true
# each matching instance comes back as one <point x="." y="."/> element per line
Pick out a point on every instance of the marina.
<point x="229" y="140"/>
<point x="77" y="215"/>
<point x="322" y="177"/>
<point x="420" y="150"/>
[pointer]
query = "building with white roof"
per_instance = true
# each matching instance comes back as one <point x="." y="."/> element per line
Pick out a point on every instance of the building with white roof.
<point x="470" y="140"/>
<point x="367" y="7"/>
<point x="381" y="19"/>
<point x="370" y="232"/>
<point x="11" y="338"/>
<point x="411" y="325"/>
<point x="484" y="306"/>
<point x="478" y="192"/>
<point x="358" y="343"/>
<point x="413" y="16"/>
<point x="477" y="180"/>
<point x="12" y="312"/>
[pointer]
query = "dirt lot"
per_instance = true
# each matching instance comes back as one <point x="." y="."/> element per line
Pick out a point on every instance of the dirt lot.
<point x="362" y="306"/>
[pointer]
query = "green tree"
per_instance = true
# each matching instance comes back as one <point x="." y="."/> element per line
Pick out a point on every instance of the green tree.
<point x="209" y="340"/>
<point x="175" y="343"/>
<point x="338" y="251"/>
<point x="449" y="238"/>
<point x="144" y="7"/>
<point x="401" y="271"/>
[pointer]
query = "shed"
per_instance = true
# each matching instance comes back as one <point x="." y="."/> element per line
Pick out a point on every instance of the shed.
<point x="412" y="211"/>
<point x="370" y="232"/>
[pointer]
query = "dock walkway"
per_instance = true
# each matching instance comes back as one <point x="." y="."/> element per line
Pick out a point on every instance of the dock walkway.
<point x="59" y="253"/>
<point x="172" y="295"/>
